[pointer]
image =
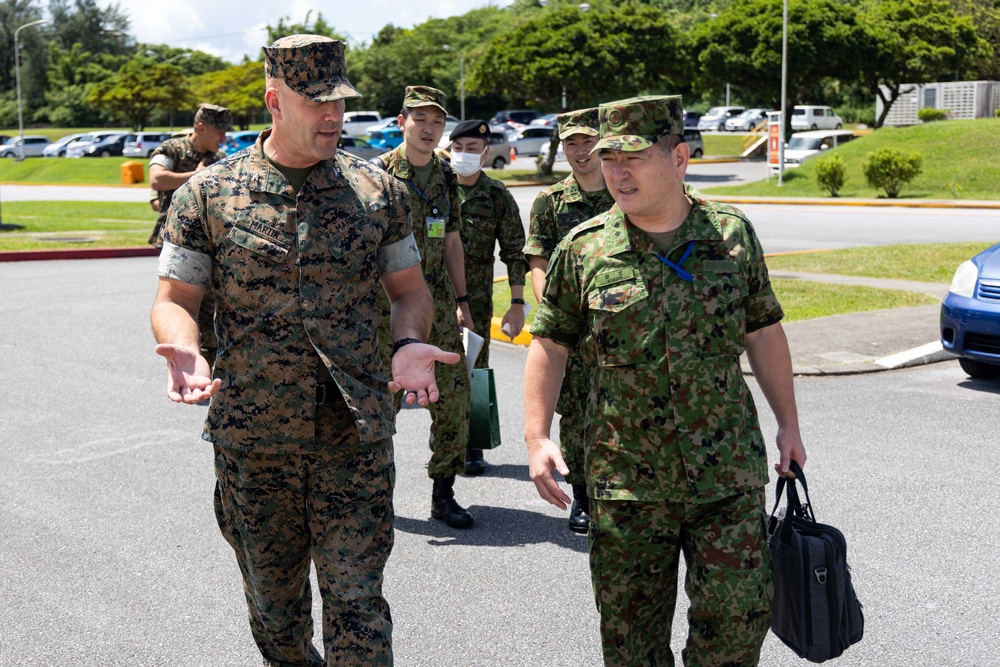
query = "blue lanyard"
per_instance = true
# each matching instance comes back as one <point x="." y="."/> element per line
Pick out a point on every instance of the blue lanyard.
<point x="434" y="209"/>
<point x="681" y="273"/>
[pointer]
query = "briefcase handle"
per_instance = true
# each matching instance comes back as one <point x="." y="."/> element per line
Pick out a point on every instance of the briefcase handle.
<point x="795" y="507"/>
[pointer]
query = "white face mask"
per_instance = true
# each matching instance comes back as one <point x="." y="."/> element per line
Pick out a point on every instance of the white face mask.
<point x="467" y="164"/>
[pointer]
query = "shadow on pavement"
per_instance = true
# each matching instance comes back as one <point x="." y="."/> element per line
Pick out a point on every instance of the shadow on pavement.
<point x="985" y="386"/>
<point x="504" y="470"/>
<point x="498" y="527"/>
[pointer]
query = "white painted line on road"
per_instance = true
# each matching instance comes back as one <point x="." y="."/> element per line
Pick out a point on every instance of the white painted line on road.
<point x="925" y="354"/>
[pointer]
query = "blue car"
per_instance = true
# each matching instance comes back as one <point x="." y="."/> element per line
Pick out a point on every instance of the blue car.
<point x="386" y="139"/>
<point x="237" y="141"/>
<point x="970" y="315"/>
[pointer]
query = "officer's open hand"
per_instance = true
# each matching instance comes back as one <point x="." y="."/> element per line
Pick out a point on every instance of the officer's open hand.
<point x="189" y="378"/>
<point x="413" y="371"/>
<point x="544" y="457"/>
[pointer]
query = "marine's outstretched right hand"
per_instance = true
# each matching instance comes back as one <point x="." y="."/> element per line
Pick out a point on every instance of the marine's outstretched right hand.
<point x="413" y="370"/>
<point x="189" y="378"/>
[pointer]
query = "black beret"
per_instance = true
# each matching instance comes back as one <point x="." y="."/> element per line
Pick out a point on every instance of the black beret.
<point x="477" y="129"/>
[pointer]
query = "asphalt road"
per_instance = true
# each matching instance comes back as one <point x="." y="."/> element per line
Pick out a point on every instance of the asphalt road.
<point x="109" y="552"/>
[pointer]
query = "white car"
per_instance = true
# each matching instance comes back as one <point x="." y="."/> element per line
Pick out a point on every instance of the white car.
<point x="804" y="145"/>
<point x="529" y="141"/>
<point x="808" y="117"/>
<point x="33" y="147"/>
<point x="144" y="143"/>
<point x="80" y="146"/>
<point x="716" y="117"/>
<point x="356" y="122"/>
<point x="58" y="147"/>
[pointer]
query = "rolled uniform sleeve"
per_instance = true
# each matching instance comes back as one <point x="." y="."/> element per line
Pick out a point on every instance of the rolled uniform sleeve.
<point x="561" y="316"/>
<point x="399" y="249"/>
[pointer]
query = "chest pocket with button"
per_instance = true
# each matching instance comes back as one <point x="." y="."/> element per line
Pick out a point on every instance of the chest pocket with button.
<point x="618" y="322"/>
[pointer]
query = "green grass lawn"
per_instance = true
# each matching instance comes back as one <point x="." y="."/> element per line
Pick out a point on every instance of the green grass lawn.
<point x="930" y="263"/>
<point x="34" y="225"/>
<point x="81" y="171"/>
<point x="723" y="145"/>
<point x="801" y="300"/>
<point x="959" y="162"/>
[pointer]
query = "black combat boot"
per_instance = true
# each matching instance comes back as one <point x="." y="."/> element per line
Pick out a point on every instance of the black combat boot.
<point x="579" y="514"/>
<point x="443" y="505"/>
<point x="475" y="464"/>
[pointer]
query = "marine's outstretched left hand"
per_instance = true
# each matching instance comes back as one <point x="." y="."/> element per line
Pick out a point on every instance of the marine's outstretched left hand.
<point x="413" y="371"/>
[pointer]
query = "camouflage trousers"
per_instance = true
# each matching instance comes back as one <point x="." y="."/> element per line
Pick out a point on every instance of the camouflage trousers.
<point x="331" y="506"/>
<point x="479" y="285"/>
<point x="450" y="415"/>
<point x="635" y="550"/>
<point x="572" y="409"/>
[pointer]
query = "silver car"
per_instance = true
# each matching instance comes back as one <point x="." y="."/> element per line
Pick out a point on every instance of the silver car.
<point x="359" y="147"/>
<point x="144" y="143"/>
<point x="58" y="147"/>
<point x="33" y="147"/>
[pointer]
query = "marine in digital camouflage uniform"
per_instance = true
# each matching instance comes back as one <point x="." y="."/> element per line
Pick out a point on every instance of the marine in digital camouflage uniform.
<point x="437" y="228"/>
<point x="171" y="164"/>
<point x="558" y="209"/>
<point x="663" y="293"/>
<point x="489" y="216"/>
<point x="298" y="240"/>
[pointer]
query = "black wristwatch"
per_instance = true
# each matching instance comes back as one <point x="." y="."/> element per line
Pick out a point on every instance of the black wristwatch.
<point x="465" y="298"/>
<point x="517" y="301"/>
<point x="403" y="341"/>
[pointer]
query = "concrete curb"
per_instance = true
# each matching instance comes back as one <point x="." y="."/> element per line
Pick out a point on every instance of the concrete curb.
<point x="77" y="253"/>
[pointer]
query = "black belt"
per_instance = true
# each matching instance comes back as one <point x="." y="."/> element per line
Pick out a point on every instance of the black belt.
<point x="326" y="390"/>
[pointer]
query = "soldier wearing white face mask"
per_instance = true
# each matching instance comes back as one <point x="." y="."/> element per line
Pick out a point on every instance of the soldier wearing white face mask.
<point x="489" y="216"/>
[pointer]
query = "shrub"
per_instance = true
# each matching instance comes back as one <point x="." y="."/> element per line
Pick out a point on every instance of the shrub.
<point x="890" y="169"/>
<point x="857" y="115"/>
<point x="929" y="115"/>
<point x="831" y="174"/>
<point x="996" y="112"/>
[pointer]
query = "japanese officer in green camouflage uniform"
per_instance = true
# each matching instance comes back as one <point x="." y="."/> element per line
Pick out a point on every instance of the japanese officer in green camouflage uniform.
<point x="556" y="210"/>
<point x="663" y="293"/>
<point x="171" y="164"/>
<point x="437" y="229"/>
<point x="489" y="216"/>
<point x="298" y="239"/>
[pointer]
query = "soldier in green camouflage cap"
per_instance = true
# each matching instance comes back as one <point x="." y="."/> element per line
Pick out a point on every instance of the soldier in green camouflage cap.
<point x="556" y="210"/>
<point x="437" y="229"/>
<point x="298" y="239"/>
<point x="663" y="293"/>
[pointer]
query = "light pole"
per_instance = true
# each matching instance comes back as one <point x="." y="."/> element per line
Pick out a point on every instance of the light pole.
<point x="461" y="77"/>
<point x="17" y="76"/>
<point x="167" y="61"/>
<point x="784" y="95"/>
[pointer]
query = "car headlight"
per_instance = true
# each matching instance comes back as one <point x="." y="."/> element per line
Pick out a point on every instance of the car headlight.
<point x="964" y="282"/>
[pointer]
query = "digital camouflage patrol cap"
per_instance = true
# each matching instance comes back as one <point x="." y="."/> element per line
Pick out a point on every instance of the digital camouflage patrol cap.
<point x="311" y="65"/>
<point x="424" y="96"/>
<point x="214" y="115"/>
<point x="581" y="121"/>
<point x="637" y="123"/>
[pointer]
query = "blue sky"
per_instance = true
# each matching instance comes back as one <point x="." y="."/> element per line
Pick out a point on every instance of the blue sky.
<point x="231" y="29"/>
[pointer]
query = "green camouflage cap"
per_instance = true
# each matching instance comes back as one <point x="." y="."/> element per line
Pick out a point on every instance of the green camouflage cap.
<point x="214" y="115"/>
<point x="637" y="123"/>
<point x="424" y="96"/>
<point x="311" y="65"/>
<point x="581" y="121"/>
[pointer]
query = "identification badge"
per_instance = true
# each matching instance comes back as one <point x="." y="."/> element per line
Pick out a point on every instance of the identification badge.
<point x="435" y="228"/>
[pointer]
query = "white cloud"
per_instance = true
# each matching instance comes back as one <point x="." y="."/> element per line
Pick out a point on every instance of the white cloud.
<point x="231" y="29"/>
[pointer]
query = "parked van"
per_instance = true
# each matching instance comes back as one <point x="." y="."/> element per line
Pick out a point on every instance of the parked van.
<point x="815" y="118"/>
<point x="356" y="122"/>
<point x="804" y="145"/>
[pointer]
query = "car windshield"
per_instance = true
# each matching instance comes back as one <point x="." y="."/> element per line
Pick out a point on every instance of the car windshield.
<point x="804" y="144"/>
<point x="714" y="111"/>
<point x="86" y="137"/>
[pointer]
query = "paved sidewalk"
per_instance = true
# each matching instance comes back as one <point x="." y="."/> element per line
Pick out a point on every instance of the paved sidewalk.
<point x="865" y="342"/>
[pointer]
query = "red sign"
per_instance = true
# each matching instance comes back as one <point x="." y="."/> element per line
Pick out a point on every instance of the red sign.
<point x="773" y="139"/>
